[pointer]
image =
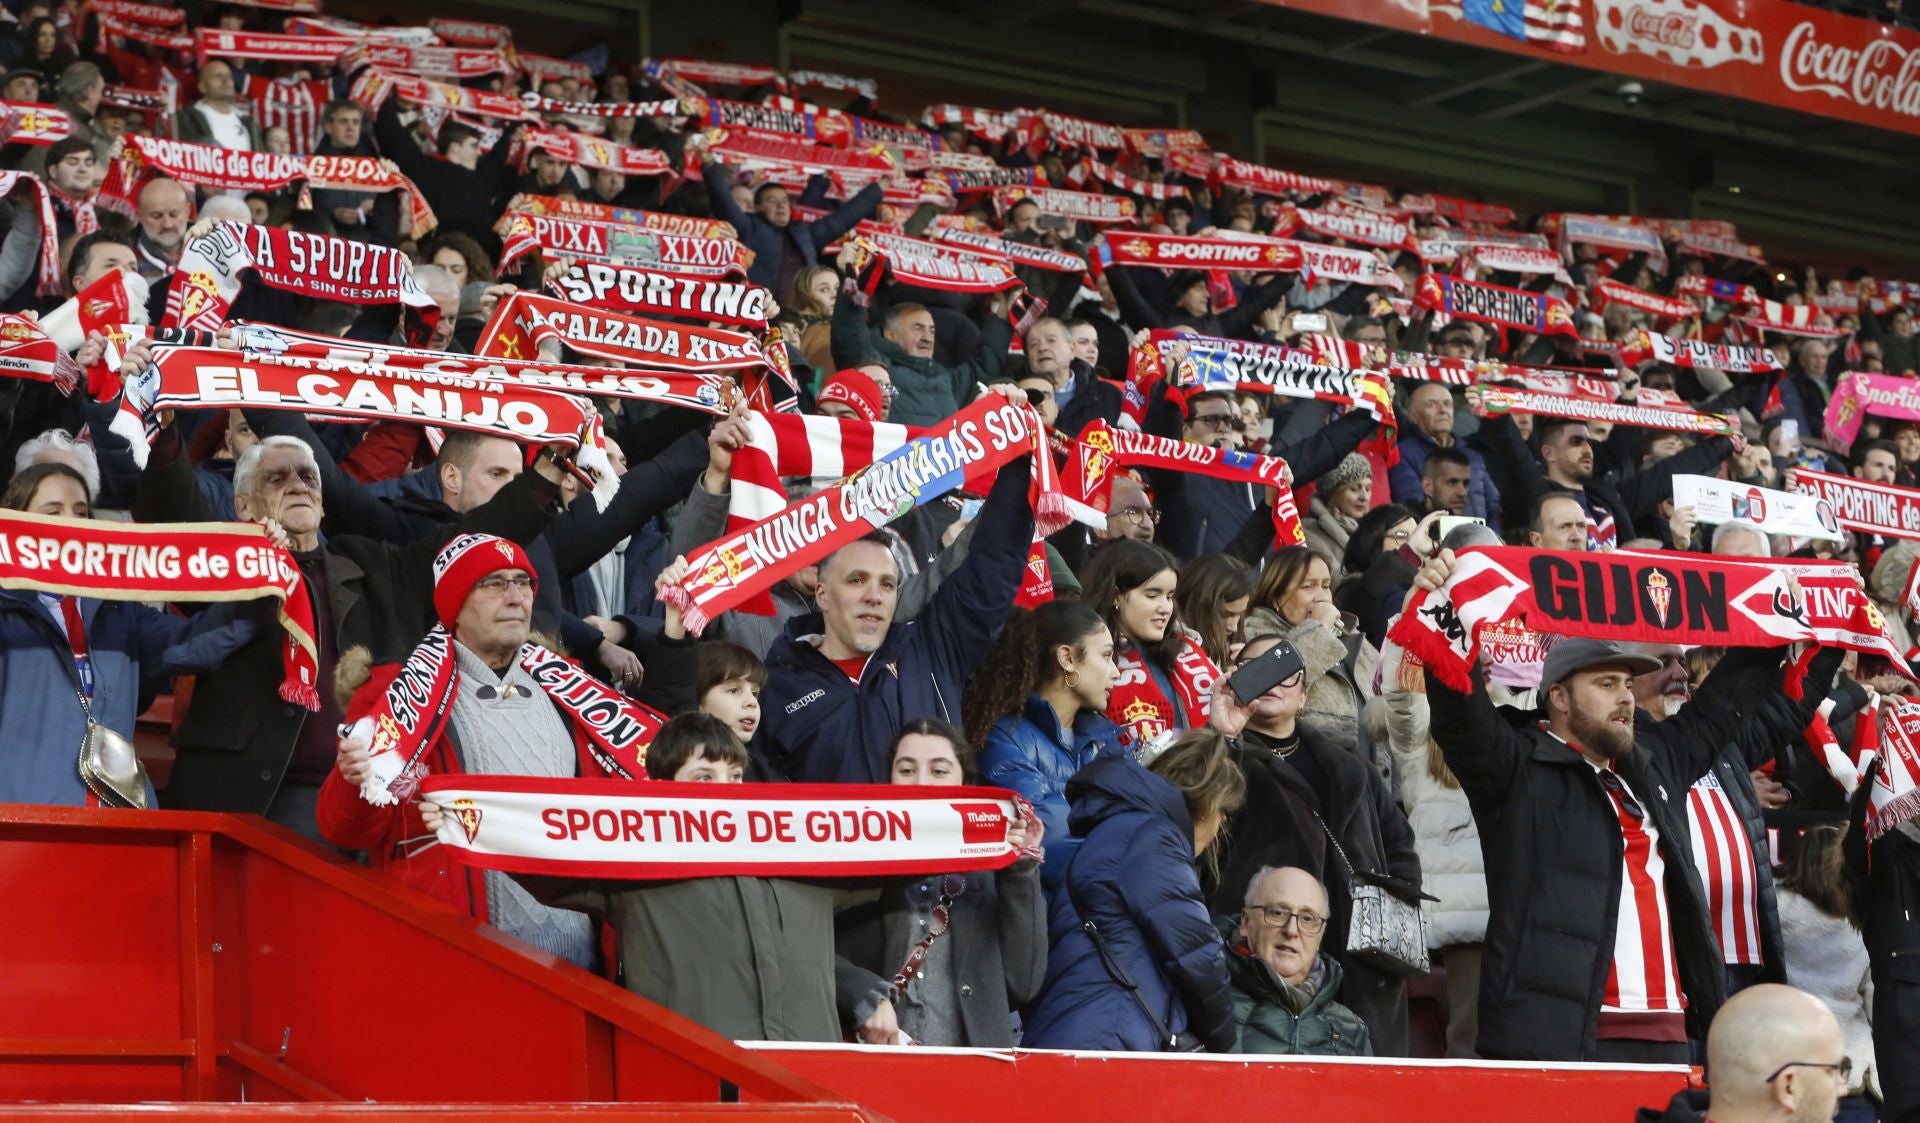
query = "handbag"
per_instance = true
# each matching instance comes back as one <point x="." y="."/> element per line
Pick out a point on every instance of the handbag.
<point x="1385" y="932"/>
<point x="1169" y="1042"/>
<point x="109" y="766"/>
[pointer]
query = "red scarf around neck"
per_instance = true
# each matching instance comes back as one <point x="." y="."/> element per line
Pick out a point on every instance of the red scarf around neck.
<point x="1143" y="711"/>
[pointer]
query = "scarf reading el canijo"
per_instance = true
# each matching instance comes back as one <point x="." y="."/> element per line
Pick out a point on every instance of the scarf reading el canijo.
<point x="1675" y="598"/>
<point x="194" y="562"/>
<point x="644" y="832"/>
<point x="414" y="711"/>
<point x="887" y="474"/>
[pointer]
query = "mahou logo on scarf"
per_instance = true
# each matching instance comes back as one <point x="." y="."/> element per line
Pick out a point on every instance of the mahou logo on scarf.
<point x="981" y="824"/>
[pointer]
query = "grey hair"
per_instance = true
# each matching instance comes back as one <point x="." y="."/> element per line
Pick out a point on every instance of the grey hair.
<point x="1260" y="875"/>
<point x="59" y="440"/>
<point x="249" y="461"/>
<point x="77" y="79"/>
<point x="226" y="208"/>
<point x="437" y="282"/>
<point x="1766" y="547"/>
<point x="1470" y="534"/>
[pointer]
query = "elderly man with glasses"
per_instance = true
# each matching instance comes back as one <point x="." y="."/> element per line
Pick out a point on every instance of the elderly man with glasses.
<point x="1285" y="993"/>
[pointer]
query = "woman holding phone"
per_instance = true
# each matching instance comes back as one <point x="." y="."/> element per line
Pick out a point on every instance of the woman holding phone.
<point x="1312" y="805"/>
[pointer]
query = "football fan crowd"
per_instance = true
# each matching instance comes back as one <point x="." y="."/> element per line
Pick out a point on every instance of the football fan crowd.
<point x="1377" y="622"/>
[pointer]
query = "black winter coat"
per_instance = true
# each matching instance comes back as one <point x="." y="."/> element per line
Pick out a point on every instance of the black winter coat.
<point x="1553" y="847"/>
<point x="1885" y="880"/>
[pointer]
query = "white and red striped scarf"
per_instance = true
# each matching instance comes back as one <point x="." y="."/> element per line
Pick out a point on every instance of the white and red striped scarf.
<point x="1723" y="854"/>
<point x="823" y="449"/>
<point x="49" y="270"/>
<point x="1113" y="177"/>
<point x="1100" y="448"/>
<point x="24" y="122"/>
<point x="1644" y="977"/>
<point x="1658" y="413"/>
<point x="1791" y="319"/>
<point x="1349" y="225"/>
<point x="1080" y="206"/>
<point x="293" y="106"/>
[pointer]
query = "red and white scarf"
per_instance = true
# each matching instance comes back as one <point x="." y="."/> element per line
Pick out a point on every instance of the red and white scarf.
<point x="1663" y="413"/>
<point x="1495" y="304"/>
<point x="817" y="126"/>
<point x="1019" y="253"/>
<point x="592" y="152"/>
<point x="154" y="15"/>
<point x="352" y="390"/>
<point x="468" y="33"/>
<point x="937" y="265"/>
<point x="885" y="471"/>
<point x="456" y="64"/>
<point x="1895" y="798"/>
<point x="175" y="562"/>
<point x="293" y="106"/>
<point x="1100" y="448"/>
<point x="1113" y="177"/>
<point x="24" y="122"/>
<point x="1058" y="130"/>
<point x="1348" y="225"/>
<point x="1857" y="505"/>
<point x="112" y="27"/>
<point x="1183" y="251"/>
<point x="1340" y="263"/>
<point x="1790" y="319"/>
<point x="1080" y="206"/>
<point x="1229" y="172"/>
<point x="629" y="289"/>
<point x="374" y="85"/>
<point x="139" y="158"/>
<point x="1269" y="368"/>
<point x="1143" y="711"/>
<point x="1663" y="598"/>
<point x="1664" y="308"/>
<point x="418" y="704"/>
<point x="319" y="50"/>
<point x="1727" y="292"/>
<point x="976" y="179"/>
<point x="370" y="173"/>
<point x="1598" y="230"/>
<point x="575" y="240"/>
<point x="28" y="352"/>
<point x="1156" y="143"/>
<point x="582" y="211"/>
<point x="1644" y="346"/>
<point x="853" y="168"/>
<point x="1464" y="211"/>
<point x="535" y="103"/>
<point x="656" y="831"/>
<point x="526" y="319"/>
<point x="49" y="268"/>
<point x="210" y="271"/>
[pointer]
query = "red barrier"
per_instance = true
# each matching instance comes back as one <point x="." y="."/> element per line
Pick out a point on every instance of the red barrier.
<point x="181" y="956"/>
<point x="964" y="1085"/>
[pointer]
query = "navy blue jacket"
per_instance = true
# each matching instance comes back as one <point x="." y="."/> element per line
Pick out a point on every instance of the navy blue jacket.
<point x="818" y="726"/>
<point x="770" y="243"/>
<point x="1030" y="754"/>
<point x="1134" y="874"/>
<point x="1483" y="499"/>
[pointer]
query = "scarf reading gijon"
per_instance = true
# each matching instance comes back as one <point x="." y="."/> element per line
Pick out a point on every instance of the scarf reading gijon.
<point x="416" y="706"/>
<point x="175" y="562"/>
<point x="1143" y="711"/>
<point x="629" y="832"/>
<point x="1663" y="598"/>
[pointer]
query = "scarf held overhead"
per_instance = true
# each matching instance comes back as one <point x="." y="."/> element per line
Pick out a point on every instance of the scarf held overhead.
<point x="209" y="274"/>
<point x="645" y="290"/>
<point x="1101" y="448"/>
<point x="1496" y="304"/>
<point x="608" y="829"/>
<point x="527" y="319"/>
<point x="175" y="562"/>
<point x="1666" y="598"/>
<point x="1869" y="508"/>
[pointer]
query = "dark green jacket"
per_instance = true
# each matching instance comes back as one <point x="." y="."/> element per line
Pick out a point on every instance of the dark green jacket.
<point x="929" y="393"/>
<point x="1263" y="1022"/>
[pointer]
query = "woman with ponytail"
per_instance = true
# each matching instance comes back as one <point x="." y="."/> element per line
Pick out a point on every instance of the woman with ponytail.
<point x="1038" y="704"/>
<point x="1166" y="679"/>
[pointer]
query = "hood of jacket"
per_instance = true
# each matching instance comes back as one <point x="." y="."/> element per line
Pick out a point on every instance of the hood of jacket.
<point x="1121" y="786"/>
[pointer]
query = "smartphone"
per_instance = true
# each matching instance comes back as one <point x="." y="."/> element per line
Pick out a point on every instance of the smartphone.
<point x="1274" y="666"/>
<point x="1446" y="523"/>
<point x="1309" y="321"/>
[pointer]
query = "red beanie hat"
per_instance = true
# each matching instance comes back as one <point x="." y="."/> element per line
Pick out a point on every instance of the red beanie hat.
<point x="460" y="565"/>
<point x="858" y="391"/>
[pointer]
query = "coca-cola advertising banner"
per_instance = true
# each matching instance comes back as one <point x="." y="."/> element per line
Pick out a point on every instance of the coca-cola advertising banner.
<point x="1772" y="51"/>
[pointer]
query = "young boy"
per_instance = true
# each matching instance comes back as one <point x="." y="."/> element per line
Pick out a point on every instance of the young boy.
<point x="728" y="679"/>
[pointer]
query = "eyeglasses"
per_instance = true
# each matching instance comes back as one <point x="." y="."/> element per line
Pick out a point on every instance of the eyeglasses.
<point x="1136" y="515"/>
<point x="1843" y="1071"/>
<point x="1221" y="421"/>
<point x="1611" y="781"/>
<point x="495" y="585"/>
<point x="1276" y="917"/>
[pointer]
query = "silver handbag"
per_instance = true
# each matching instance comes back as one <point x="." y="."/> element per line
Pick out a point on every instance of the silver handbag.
<point x="109" y="766"/>
<point x="1385" y="931"/>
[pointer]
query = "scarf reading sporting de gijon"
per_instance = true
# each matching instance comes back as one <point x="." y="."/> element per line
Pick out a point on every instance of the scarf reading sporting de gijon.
<point x="631" y="289"/>
<point x="1495" y="304"/>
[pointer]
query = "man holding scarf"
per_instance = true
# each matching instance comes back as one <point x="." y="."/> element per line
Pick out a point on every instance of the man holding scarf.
<point x="1599" y="947"/>
<point x="501" y="704"/>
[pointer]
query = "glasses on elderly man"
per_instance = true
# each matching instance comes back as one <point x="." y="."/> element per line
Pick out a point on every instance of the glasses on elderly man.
<point x="1273" y="916"/>
<point x="498" y="584"/>
<point x="1138" y="515"/>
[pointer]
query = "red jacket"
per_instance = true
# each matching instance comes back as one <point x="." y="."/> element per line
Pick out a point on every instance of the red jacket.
<point x="395" y="839"/>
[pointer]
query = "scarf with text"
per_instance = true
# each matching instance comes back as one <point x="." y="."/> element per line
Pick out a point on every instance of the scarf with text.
<point x="581" y="210"/>
<point x="1057" y="130"/>
<point x="468" y="33"/>
<point x="1349" y="225"/>
<point x="1229" y="172"/>
<point x="1019" y="253"/>
<point x="23" y="122"/>
<point x="1662" y="308"/>
<point x="1716" y="245"/>
<point x="174" y="562"/>
<point x="48" y="269"/>
<point x="575" y="240"/>
<point x="708" y="393"/>
<point x="1545" y="399"/>
<point x="975" y="179"/>
<point x="1182" y="251"/>
<point x="1895" y="797"/>
<point x="28" y="352"/>
<point x="1156" y="143"/>
<point x="1101" y="448"/>
<point x="210" y="271"/>
<point x="628" y="289"/>
<point x="525" y="320"/>
<point x="349" y="29"/>
<point x="374" y="85"/>
<point x="1091" y="169"/>
<point x="140" y="158"/>
<point x="1599" y="230"/>
<point x="1342" y="263"/>
<point x="535" y="103"/>
<point x="1079" y="206"/>
<point x="1464" y="211"/>
<point x="372" y="174"/>
<point x="1726" y="292"/>
<point x="1790" y="319"/>
<point x="452" y="63"/>
<point x="885" y="471"/>
<point x="113" y="28"/>
<point x="655" y="831"/>
<point x="267" y="46"/>
<point x="1270" y="368"/>
<point x="154" y="15"/>
<point x="816" y="126"/>
<point x="1644" y="346"/>
<point x="850" y="168"/>
<point x="356" y="390"/>
<point x="936" y="265"/>
<point x="1495" y="304"/>
<point x="1143" y="711"/>
<point x="1664" y="598"/>
<point x="417" y="705"/>
<point x="1857" y="505"/>
<point x="1502" y="257"/>
<point x="592" y="152"/>
<point x="1859" y="393"/>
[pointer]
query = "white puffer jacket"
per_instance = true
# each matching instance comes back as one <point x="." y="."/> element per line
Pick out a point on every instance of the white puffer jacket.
<point x="1827" y="959"/>
<point x="1444" y="834"/>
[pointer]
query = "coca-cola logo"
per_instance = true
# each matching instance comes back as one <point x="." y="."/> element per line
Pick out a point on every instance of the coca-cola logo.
<point x="1667" y="28"/>
<point x="1880" y="75"/>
